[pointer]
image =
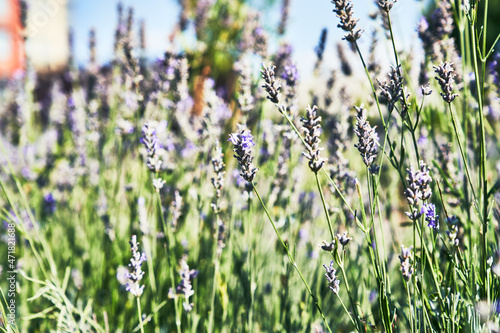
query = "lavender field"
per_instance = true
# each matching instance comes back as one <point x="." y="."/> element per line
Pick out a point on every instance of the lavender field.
<point x="220" y="189"/>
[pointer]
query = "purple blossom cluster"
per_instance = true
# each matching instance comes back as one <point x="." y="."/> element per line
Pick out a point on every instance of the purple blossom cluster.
<point x="446" y="78"/>
<point x="495" y="71"/>
<point x="429" y="209"/>
<point x="185" y="287"/>
<point x="243" y="143"/>
<point x="135" y="273"/>
<point x="331" y="278"/>
<point x="419" y="190"/>
<point x="368" y="140"/>
<point x="406" y="265"/>
<point x="344" y="11"/>
<point x="312" y="129"/>
<point x="150" y="141"/>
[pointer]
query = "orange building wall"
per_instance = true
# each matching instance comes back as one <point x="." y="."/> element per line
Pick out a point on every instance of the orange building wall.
<point x="10" y="25"/>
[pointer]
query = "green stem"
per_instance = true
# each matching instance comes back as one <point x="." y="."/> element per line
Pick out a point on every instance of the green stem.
<point x="410" y="305"/>
<point x="140" y="314"/>
<point x="214" y="283"/>
<point x="422" y="268"/>
<point x="371" y="84"/>
<point x="462" y="152"/>
<point x="324" y="205"/>
<point x="169" y="236"/>
<point x="345" y="309"/>
<point x="290" y="257"/>
<point x="482" y="142"/>
<point x="340" y="262"/>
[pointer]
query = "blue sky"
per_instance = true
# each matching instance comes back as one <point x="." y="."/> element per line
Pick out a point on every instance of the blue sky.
<point x="307" y="18"/>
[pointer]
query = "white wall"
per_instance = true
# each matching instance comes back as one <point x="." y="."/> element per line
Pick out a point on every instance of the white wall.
<point x="47" y="45"/>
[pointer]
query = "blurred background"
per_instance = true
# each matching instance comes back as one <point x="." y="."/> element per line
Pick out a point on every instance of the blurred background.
<point x="57" y="31"/>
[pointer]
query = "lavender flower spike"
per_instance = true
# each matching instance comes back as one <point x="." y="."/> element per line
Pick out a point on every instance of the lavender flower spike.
<point x="446" y="78"/>
<point x="331" y="277"/>
<point x="185" y="288"/>
<point x="430" y="215"/>
<point x="406" y="266"/>
<point x="135" y="263"/>
<point x="392" y="90"/>
<point x="368" y="140"/>
<point x="243" y="143"/>
<point x="343" y="9"/>
<point x="424" y="180"/>
<point x="150" y="141"/>
<point x="271" y="85"/>
<point x="218" y="166"/>
<point x="386" y="5"/>
<point x="418" y="189"/>
<point x="312" y="126"/>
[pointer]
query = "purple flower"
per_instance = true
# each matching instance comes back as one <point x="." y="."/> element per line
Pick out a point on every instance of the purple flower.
<point x="312" y="129"/>
<point x="71" y="103"/>
<point x="429" y="209"/>
<point x="405" y="260"/>
<point x="50" y="204"/>
<point x="422" y="140"/>
<point x="368" y="139"/>
<point x="495" y="70"/>
<point x="290" y="74"/>
<point x="303" y="234"/>
<point x="331" y="277"/>
<point x="150" y="141"/>
<point x="185" y="288"/>
<point x="282" y="56"/>
<point x="189" y="149"/>
<point x="135" y="264"/>
<point x="246" y="140"/>
<point x="243" y="143"/>
<point x="446" y="79"/>
<point x="418" y="189"/>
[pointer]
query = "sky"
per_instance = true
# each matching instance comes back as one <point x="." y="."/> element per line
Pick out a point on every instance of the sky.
<point x="306" y="20"/>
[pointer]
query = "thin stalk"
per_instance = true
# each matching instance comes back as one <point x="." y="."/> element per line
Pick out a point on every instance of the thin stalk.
<point x="433" y="273"/>
<point x="345" y="309"/>
<point x="414" y="275"/>
<point x="377" y="202"/>
<point x="482" y="141"/>
<point x="410" y="305"/>
<point x="214" y="283"/>
<point x="353" y="305"/>
<point x="169" y="236"/>
<point x="462" y="152"/>
<point x="392" y="40"/>
<point x="414" y="139"/>
<point x="484" y="165"/>
<point x="290" y="257"/>
<point x="324" y="205"/>
<point x="252" y="271"/>
<point x="371" y="84"/>
<point x="422" y="268"/>
<point x="377" y="254"/>
<point x="140" y="314"/>
<point x="465" y="50"/>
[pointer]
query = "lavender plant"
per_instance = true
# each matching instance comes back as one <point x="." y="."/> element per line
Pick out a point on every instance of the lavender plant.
<point x="76" y="176"/>
<point x="135" y="275"/>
